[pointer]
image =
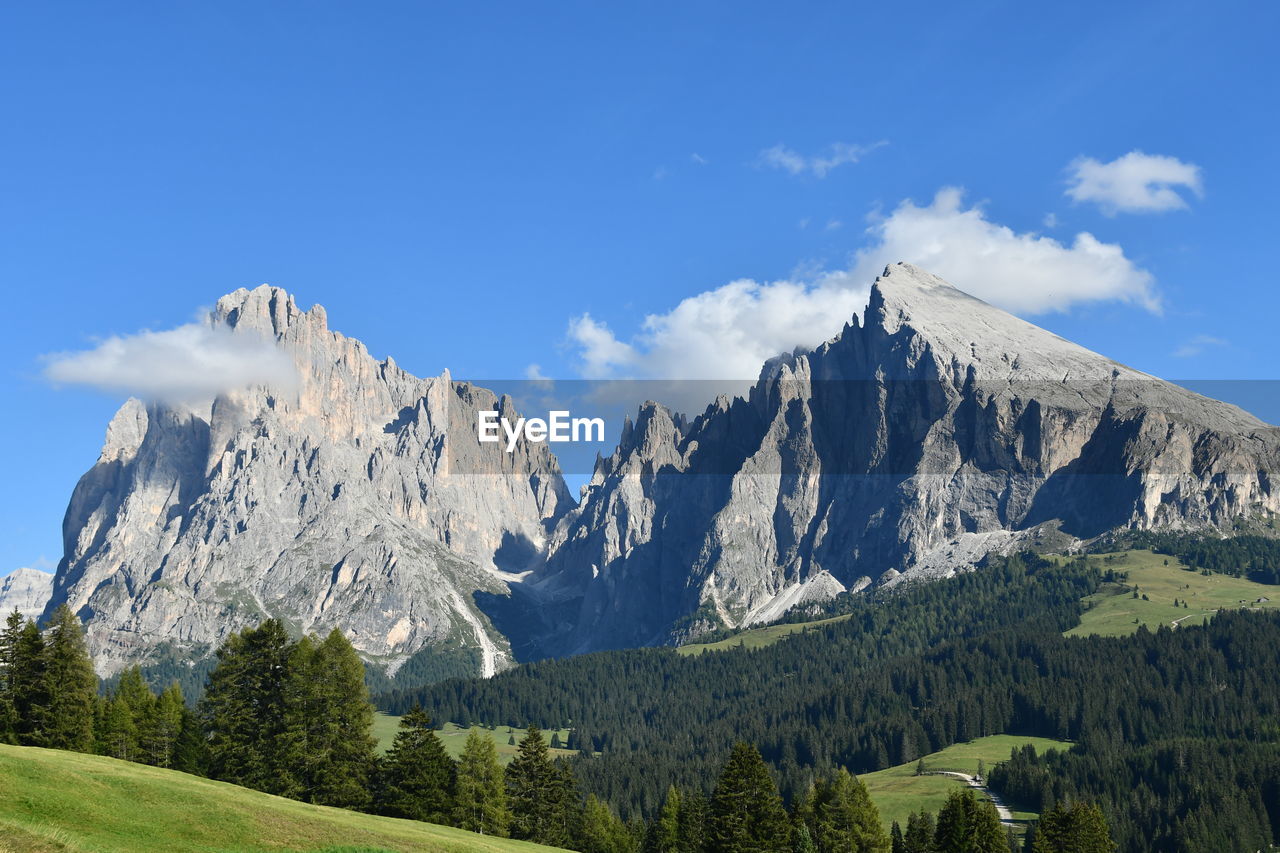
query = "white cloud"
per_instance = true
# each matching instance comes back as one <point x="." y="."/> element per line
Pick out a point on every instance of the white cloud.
<point x="1051" y="220"/>
<point x="728" y="332"/>
<point x="698" y="159"/>
<point x="191" y="364"/>
<point x="1026" y="273"/>
<point x="838" y="154"/>
<point x="1197" y="345"/>
<point x="1134" y="183"/>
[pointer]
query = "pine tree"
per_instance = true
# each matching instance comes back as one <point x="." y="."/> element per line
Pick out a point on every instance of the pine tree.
<point x="1079" y="828"/>
<point x="115" y="733"/>
<point x="667" y="826"/>
<point x="536" y="793"/>
<point x="897" y="844"/>
<point x="419" y="779"/>
<point x="327" y="722"/>
<point x="159" y="740"/>
<point x="481" y="799"/>
<point x="694" y="809"/>
<point x="844" y="818"/>
<point x="918" y="837"/>
<point x="71" y="685"/>
<point x="966" y="825"/>
<point x="9" y="640"/>
<point x="244" y="712"/>
<point x="191" y="750"/>
<point x="601" y="831"/>
<point x="746" y="811"/>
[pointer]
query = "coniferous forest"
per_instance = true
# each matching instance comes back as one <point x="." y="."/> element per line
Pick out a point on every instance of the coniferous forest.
<point x="743" y="749"/>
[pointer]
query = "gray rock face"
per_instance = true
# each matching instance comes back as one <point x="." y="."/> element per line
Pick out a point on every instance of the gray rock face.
<point x="327" y="504"/>
<point x="25" y="590"/>
<point x="937" y="430"/>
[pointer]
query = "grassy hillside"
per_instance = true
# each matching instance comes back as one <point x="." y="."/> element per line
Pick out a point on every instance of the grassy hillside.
<point x="756" y="638"/>
<point x="1113" y="609"/>
<point x="454" y="737"/>
<point x="66" y="801"/>
<point x="898" y="792"/>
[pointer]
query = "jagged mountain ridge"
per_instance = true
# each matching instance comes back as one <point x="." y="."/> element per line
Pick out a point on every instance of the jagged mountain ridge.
<point x="935" y="429"/>
<point x="328" y="505"/>
<point x="938" y="429"/>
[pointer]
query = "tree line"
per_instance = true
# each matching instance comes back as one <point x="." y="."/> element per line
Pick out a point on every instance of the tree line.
<point x="940" y="664"/>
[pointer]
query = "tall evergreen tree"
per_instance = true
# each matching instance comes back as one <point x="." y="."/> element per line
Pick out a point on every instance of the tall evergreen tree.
<point x="843" y="818"/>
<point x="1078" y="828"/>
<point x="746" y="812"/>
<point x="71" y="685"/>
<point x="918" y="837"/>
<point x="327" y="722"/>
<point x="419" y="779"/>
<point x="536" y="793"/>
<point x="244" y="711"/>
<point x="967" y="825"/>
<point x="28" y="686"/>
<point x="481" y="799"/>
<point x="666" y="829"/>
<point x="601" y="831"/>
<point x="693" y="821"/>
<point x="159" y="740"/>
<point x="8" y="650"/>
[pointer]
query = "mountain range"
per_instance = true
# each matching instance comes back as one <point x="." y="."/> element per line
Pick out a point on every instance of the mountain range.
<point x="931" y="431"/>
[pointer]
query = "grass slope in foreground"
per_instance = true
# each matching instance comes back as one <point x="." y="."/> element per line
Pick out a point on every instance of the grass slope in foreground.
<point x="1113" y="609"/>
<point x="897" y="791"/>
<point x="67" y="801"/>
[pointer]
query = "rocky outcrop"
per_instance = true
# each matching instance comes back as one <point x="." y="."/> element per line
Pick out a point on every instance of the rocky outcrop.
<point x="936" y="430"/>
<point x="25" y="590"/>
<point x="356" y="497"/>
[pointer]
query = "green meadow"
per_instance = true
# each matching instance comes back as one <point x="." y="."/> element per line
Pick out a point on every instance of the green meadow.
<point x="897" y="791"/>
<point x="756" y="638"/>
<point x="1113" y="611"/>
<point x="454" y="737"/>
<point x="53" y="801"/>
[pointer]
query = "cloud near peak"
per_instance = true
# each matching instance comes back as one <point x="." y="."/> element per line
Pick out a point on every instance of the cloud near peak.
<point x="190" y="364"/>
<point x="728" y="332"/>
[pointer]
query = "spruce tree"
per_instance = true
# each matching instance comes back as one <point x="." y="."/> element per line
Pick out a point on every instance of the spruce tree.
<point x="601" y="831"/>
<point x="327" y="722"/>
<point x="419" y="779"/>
<point x="28" y="686"/>
<point x="481" y="798"/>
<point x="918" y="837"/>
<point x="159" y="740"/>
<point x="897" y="844"/>
<point x="535" y="792"/>
<point x="666" y="836"/>
<point x="9" y="639"/>
<point x="244" y="712"/>
<point x="843" y="816"/>
<point x="693" y="822"/>
<point x="967" y="825"/>
<point x="71" y="685"/>
<point x="746" y="812"/>
<point x="1079" y="828"/>
<point x="116" y="734"/>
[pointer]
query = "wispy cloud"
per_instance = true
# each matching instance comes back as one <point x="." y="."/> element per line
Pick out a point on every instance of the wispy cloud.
<point x="819" y="165"/>
<point x="190" y="364"/>
<point x="1197" y="345"/>
<point x="698" y="159"/>
<point x="1134" y="183"/>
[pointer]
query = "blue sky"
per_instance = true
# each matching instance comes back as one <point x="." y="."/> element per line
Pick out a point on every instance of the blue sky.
<point x="490" y="186"/>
